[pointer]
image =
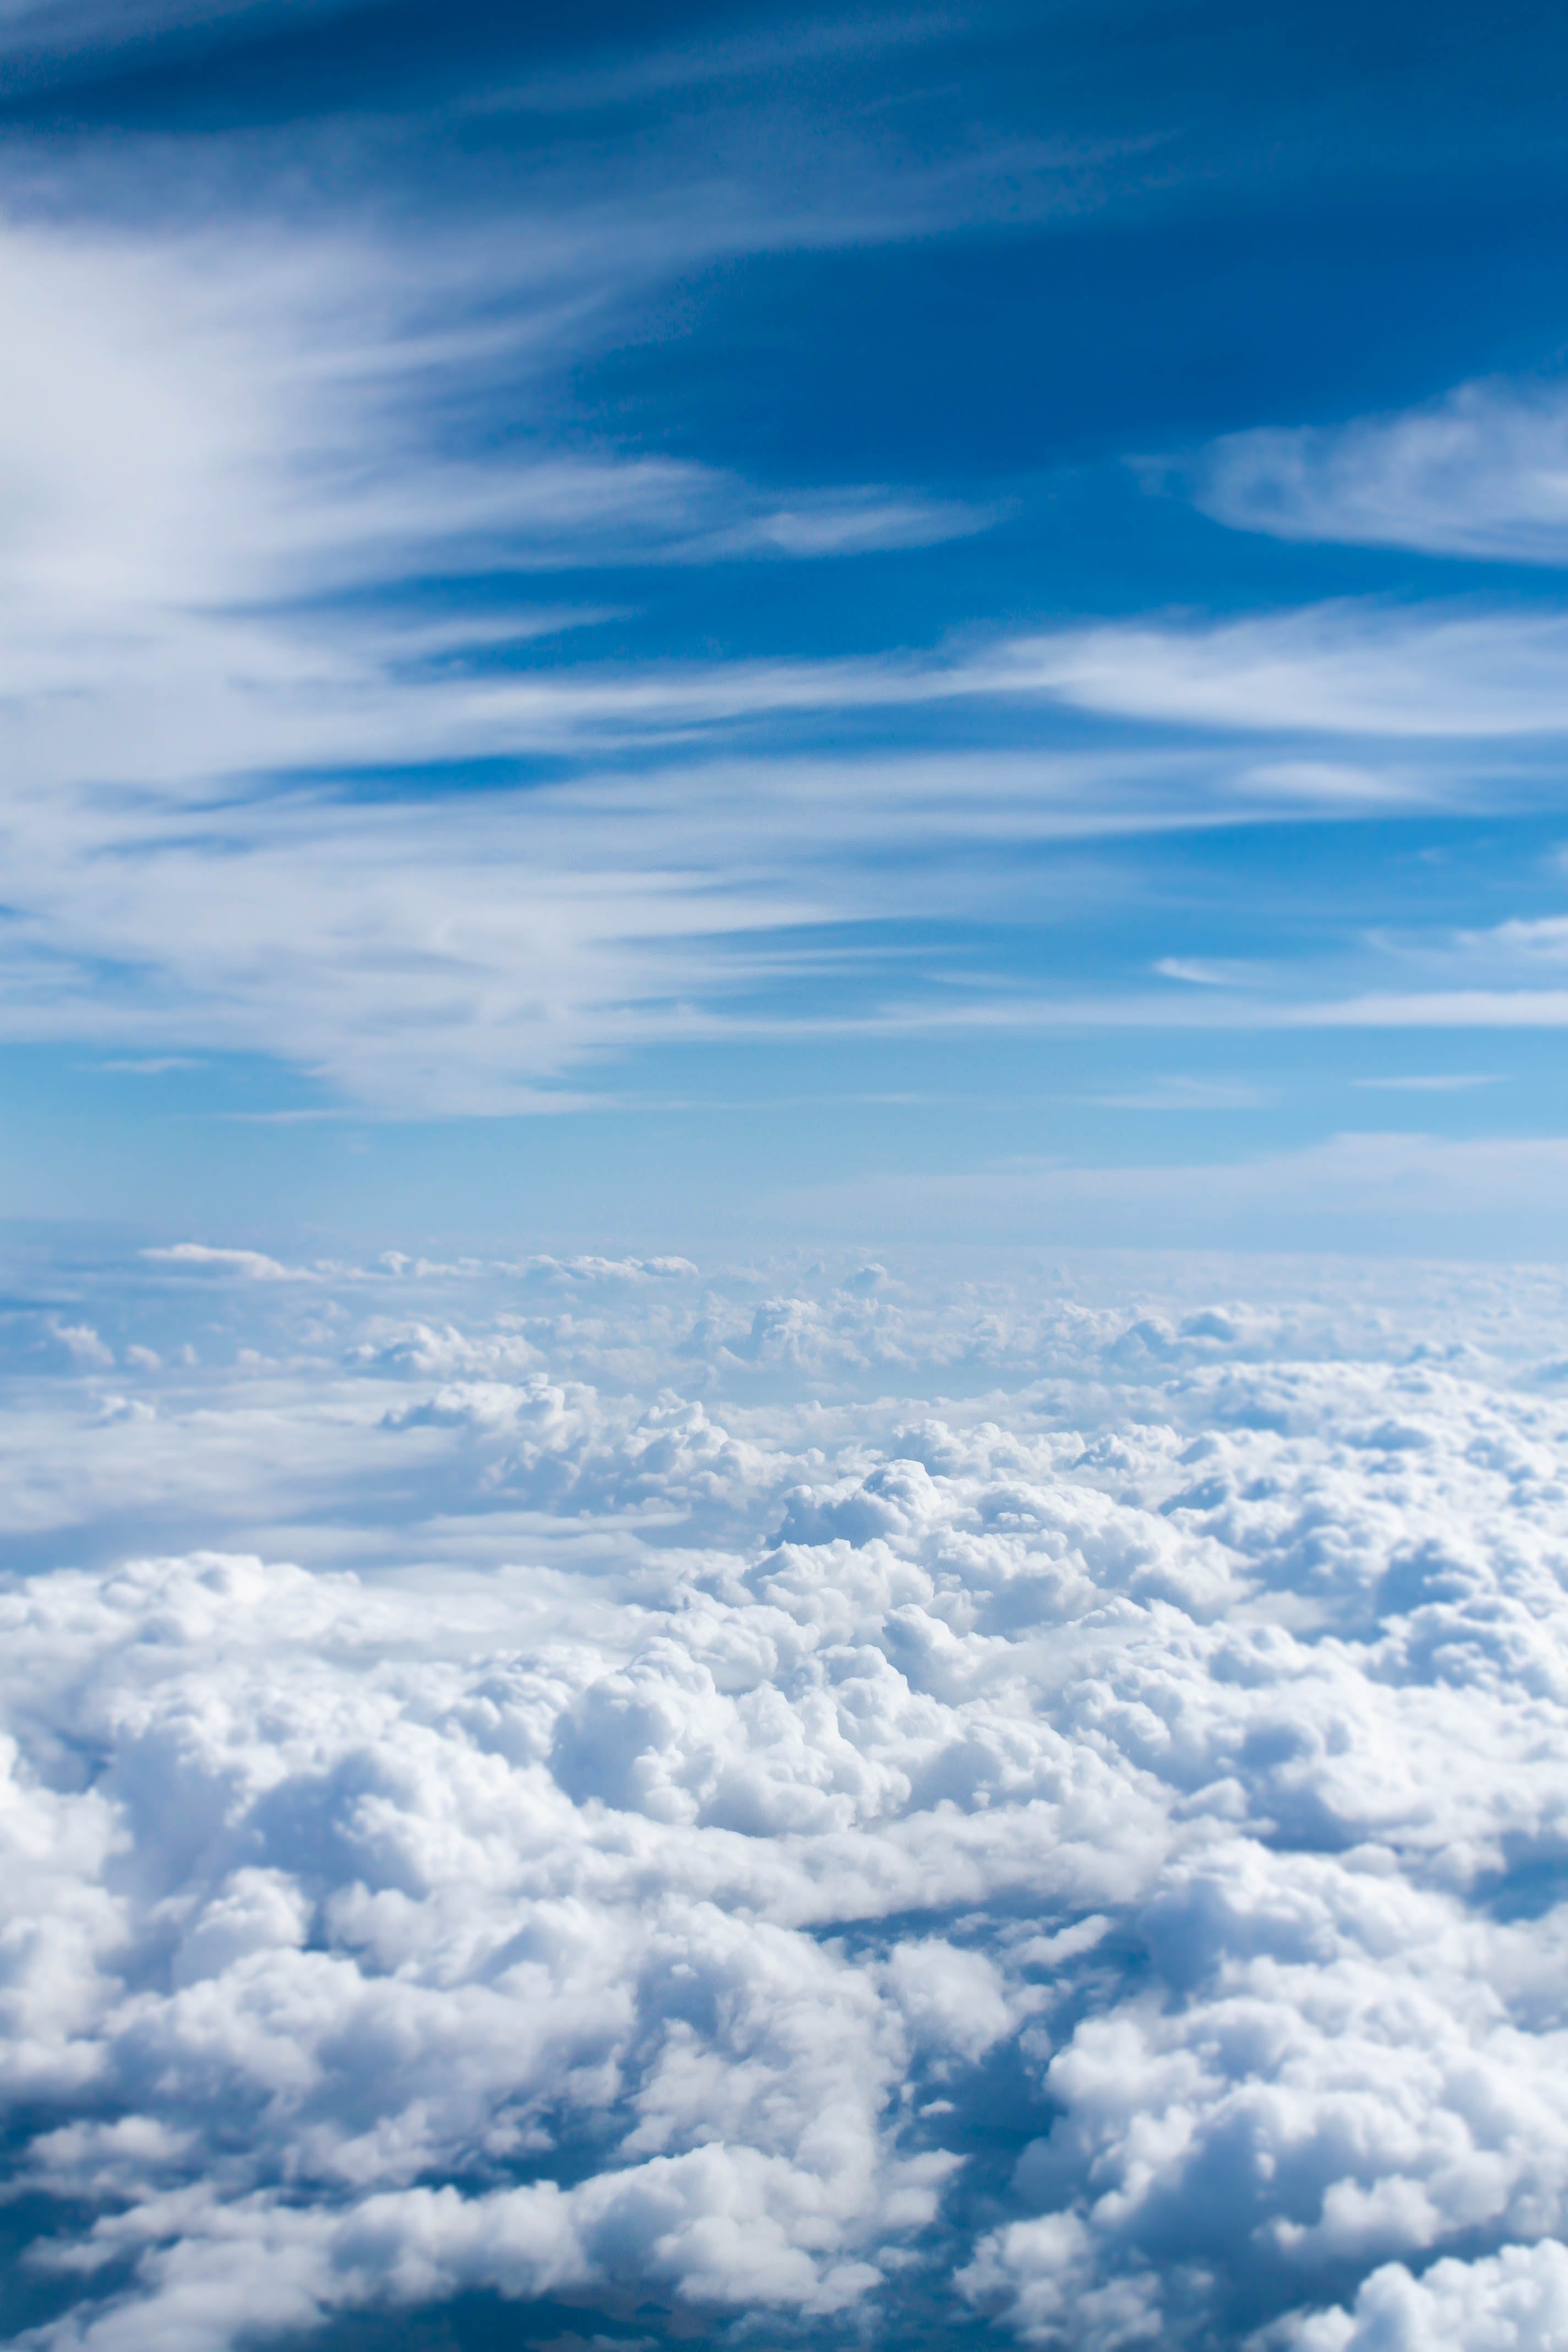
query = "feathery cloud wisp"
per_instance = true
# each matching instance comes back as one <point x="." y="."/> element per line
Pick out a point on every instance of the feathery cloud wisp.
<point x="1481" y="473"/>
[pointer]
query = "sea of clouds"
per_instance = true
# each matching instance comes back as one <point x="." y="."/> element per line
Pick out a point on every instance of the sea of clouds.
<point x="810" y="1801"/>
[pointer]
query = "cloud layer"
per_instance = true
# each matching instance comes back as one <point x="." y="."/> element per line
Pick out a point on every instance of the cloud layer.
<point x="1075" y="1841"/>
<point x="309" y="753"/>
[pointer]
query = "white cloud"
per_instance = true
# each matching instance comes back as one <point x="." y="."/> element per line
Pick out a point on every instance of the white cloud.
<point x="232" y="457"/>
<point x="1144" y="1721"/>
<point x="1435" y="672"/>
<point x="1515" y="2301"/>
<point x="1180" y="1093"/>
<point x="253" y="1264"/>
<point x="1481" y="473"/>
<point x="1434" y="1082"/>
<point x="1445" y="1008"/>
<point x="201" y="430"/>
<point x="430" y="954"/>
<point x="195" y="421"/>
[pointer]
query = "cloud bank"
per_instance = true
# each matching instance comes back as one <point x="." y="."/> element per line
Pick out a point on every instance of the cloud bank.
<point x="840" y="1796"/>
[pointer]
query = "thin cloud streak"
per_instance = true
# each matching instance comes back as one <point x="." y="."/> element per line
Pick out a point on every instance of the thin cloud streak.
<point x="1416" y="674"/>
<point x="1426" y="1187"/>
<point x="1481" y="473"/>
<point x="1453" y="1008"/>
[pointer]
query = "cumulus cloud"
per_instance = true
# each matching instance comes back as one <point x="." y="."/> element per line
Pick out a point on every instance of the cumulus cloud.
<point x="821" y="1790"/>
<point x="1516" y="2301"/>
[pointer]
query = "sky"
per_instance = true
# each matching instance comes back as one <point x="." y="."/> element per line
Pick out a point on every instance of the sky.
<point x="784" y="944"/>
<point x="634" y="624"/>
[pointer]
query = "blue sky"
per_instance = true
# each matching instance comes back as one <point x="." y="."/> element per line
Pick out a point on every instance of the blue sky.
<point x="632" y="623"/>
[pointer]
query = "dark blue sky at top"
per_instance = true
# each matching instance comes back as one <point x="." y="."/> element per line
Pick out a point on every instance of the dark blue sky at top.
<point x="1281" y="215"/>
<point x="1275" y="215"/>
<point x="1029" y="261"/>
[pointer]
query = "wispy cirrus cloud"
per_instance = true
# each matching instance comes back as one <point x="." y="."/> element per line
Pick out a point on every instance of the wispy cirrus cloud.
<point x="1425" y="1189"/>
<point x="425" y="954"/>
<point x="1433" y="1082"/>
<point x="253" y="548"/>
<point x="191" y="423"/>
<point x="222" y="486"/>
<point x="1418" y="673"/>
<point x="1483" y="472"/>
<point x="1510" y="976"/>
<point x="70" y="24"/>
